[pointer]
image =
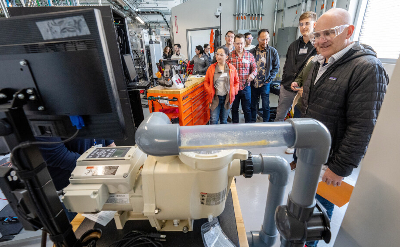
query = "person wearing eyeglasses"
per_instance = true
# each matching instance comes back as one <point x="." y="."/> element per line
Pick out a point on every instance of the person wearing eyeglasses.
<point x="296" y="57"/>
<point x="221" y="84"/>
<point x="344" y="91"/>
<point x="246" y="67"/>
<point x="229" y="39"/>
<point x="248" y="39"/>
<point x="267" y="60"/>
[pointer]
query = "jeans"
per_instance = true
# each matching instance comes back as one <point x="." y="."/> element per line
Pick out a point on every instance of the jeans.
<point x="255" y="97"/>
<point x="285" y="102"/>
<point x="245" y="96"/>
<point x="220" y="112"/>
<point x="329" y="211"/>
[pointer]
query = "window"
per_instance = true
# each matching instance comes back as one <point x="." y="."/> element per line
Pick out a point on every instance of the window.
<point x="379" y="28"/>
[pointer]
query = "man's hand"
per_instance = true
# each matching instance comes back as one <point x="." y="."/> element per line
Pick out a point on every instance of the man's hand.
<point x="330" y="177"/>
<point x="112" y="145"/>
<point x="250" y="78"/>
<point x="294" y="86"/>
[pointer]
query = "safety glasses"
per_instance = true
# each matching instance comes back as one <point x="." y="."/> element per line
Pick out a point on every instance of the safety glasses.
<point x="327" y="34"/>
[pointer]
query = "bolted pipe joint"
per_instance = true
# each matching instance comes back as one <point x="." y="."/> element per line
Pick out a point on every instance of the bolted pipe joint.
<point x="311" y="137"/>
<point x="297" y="224"/>
<point x="157" y="136"/>
<point x="276" y="166"/>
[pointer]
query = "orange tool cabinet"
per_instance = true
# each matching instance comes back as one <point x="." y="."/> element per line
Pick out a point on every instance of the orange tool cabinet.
<point x="188" y="105"/>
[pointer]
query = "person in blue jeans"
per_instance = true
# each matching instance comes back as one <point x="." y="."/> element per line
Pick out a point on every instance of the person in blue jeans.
<point x="246" y="67"/>
<point x="267" y="60"/>
<point x="255" y="97"/>
<point x="221" y="84"/>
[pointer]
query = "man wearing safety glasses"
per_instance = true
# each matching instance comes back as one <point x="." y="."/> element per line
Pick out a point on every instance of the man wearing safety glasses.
<point x="296" y="57"/>
<point x="344" y="90"/>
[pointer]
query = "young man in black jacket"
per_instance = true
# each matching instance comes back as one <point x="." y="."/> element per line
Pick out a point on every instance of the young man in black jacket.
<point x="296" y="57"/>
<point x="267" y="60"/>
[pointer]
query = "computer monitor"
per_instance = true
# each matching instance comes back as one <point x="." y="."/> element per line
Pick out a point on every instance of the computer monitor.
<point x="65" y="57"/>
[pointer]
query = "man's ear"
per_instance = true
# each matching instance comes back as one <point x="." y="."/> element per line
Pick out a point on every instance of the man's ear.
<point x="315" y="23"/>
<point x="350" y="31"/>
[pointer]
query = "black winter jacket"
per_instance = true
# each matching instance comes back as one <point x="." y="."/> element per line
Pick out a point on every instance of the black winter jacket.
<point x="293" y="67"/>
<point x="347" y="99"/>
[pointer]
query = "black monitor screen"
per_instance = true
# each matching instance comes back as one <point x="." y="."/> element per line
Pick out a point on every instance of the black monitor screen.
<point x="65" y="58"/>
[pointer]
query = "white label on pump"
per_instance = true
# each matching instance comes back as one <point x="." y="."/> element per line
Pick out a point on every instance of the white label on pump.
<point x="100" y="170"/>
<point x="118" y="199"/>
<point x="212" y="198"/>
<point x="163" y="101"/>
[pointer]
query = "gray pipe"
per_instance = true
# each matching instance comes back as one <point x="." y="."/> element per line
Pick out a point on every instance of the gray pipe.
<point x="275" y="14"/>
<point x="261" y="7"/>
<point x="279" y="170"/>
<point x="313" y="142"/>
<point x="251" y="14"/>
<point x="303" y="6"/>
<point x="308" y="5"/>
<point x="324" y="9"/>
<point x="333" y="4"/>
<point x="236" y="15"/>
<point x="245" y="14"/>
<point x="254" y="13"/>
<point x="157" y="136"/>
<point x="242" y="19"/>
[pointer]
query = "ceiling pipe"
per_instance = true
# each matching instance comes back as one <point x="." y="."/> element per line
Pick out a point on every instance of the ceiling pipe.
<point x="153" y="13"/>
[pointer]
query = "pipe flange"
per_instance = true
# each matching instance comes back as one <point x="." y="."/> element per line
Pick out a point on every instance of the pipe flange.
<point x="247" y="167"/>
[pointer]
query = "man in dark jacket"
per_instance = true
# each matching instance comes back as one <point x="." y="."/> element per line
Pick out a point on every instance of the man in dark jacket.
<point x="267" y="60"/>
<point x="296" y="57"/>
<point x="344" y="90"/>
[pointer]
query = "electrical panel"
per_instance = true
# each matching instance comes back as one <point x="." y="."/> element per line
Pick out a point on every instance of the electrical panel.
<point x="286" y="36"/>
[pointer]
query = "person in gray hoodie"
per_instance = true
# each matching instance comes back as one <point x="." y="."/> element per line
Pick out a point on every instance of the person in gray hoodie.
<point x="344" y="90"/>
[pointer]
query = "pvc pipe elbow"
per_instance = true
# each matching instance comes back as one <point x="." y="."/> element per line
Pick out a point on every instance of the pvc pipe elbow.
<point x="312" y="135"/>
<point x="157" y="136"/>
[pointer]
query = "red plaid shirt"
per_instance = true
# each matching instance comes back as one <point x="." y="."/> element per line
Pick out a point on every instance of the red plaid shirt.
<point x="245" y="66"/>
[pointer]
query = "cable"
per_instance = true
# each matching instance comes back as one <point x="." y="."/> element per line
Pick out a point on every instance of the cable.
<point x="29" y="143"/>
<point x="137" y="238"/>
<point x="47" y="224"/>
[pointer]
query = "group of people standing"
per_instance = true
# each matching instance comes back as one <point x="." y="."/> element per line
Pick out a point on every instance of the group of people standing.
<point x="251" y="69"/>
<point x="341" y="83"/>
<point x="201" y="61"/>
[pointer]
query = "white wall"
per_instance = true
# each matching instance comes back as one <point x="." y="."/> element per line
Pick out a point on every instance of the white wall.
<point x="199" y="37"/>
<point x="200" y="14"/>
<point x="373" y="216"/>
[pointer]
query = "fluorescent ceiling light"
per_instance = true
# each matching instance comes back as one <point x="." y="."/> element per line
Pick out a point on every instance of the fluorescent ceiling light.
<point x="140" y="20"/>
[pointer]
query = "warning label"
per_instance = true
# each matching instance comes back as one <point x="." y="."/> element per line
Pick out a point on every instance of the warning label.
<point x="100" y="170"/>
<point x="118" y="199"/>
<point x="212" y="198"/>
